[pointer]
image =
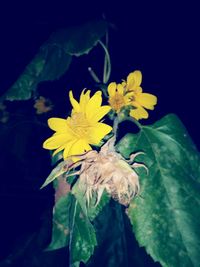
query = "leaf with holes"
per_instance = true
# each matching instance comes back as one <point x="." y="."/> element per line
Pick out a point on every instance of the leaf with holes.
<point x="165" y="218"/>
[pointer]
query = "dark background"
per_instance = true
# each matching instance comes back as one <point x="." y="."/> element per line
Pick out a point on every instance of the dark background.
<point x="160" y="38"/>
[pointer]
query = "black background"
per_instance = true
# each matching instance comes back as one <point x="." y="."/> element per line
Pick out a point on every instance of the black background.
<point x="160" y="38"/>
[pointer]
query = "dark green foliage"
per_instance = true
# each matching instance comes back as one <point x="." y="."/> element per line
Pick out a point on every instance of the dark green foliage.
<point x="54" y="57"/>
<point x="165" y="217"/>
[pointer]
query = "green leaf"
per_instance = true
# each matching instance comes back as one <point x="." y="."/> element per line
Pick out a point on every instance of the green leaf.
<point x="77" y="41"/>
<point x="49" y="64"/>
<point x="54" y="57"/>
<point x="60" y="169"/>
<point x="83" y="236"/>
<point x="72" y="227"/>
<point x="91" y="210"/>
<point x="165" y="218"/>
<point x="61" y="223"/>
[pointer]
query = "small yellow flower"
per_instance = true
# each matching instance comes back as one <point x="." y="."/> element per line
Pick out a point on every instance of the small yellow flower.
<point x="75" y="134"/>
<point x="118" y="97"/>
<point x="43" y="105"/>
<point x="129" y="93"/>
<point x="140" y="100"/>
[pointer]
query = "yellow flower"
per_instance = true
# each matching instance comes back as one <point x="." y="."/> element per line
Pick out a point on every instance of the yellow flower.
<point x="75" y="134"/>
<point x="129" y="93"/>
<point x="118" y="98"/>
<point x="140" y="100"/>
<point x="43" y="105"/>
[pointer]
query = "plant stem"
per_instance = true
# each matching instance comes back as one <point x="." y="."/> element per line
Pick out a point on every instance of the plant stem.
<point x="107" y="63"/>
<point x="71" y="233"/>
<point x="93" y="74"/>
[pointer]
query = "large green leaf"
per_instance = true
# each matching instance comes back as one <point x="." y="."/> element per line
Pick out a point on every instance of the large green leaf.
<point x="80" y="40"/>
<point x="61" y="223"/>
<point x="82" y="236"/>
<point x="165" y="218"/>
<point x="54" y="57"/>
<point x="49" y="64"/>
<point x="72" y="227"/>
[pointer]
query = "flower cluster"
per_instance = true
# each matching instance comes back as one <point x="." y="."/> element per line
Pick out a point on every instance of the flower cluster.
<point x="129" y="93"/>
<point x="75" y="136"/>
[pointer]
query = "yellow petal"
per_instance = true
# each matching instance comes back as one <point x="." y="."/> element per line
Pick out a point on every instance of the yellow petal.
<point x="120" y="89"/>
<point x="123" y="83"/>
<point x="139" y="113"/>
<point x="94" y="103"/>
<point x="74" y="103"/>
<point x="68" y="147"/>
<point x="147" y="100"/>
<point x="56" y="141"/>
<point x="138" y="90"/>
<point x="134" y="80"/>
<point x="57" y="124"/>
<point x="112" y="89"/>
<point x="77" y="148"/>
<point x="84" y="99"/>
<point x="98" y="132"/>
<point x="99" y="113"/>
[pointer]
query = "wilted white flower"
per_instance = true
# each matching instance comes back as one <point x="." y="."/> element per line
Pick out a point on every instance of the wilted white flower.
<point x="108" y="170"/>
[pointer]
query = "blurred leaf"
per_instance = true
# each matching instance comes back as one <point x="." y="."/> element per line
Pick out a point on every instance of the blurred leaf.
<point x="77" y="41"/>
<point x="83" y="237"/>
<point x="49" y="64"/>
<point x="61" y="223"/>
<point x="165" y="218"/>
<point x="54" y="57"/>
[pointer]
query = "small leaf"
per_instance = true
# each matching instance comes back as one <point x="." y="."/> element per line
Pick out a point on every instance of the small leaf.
<point x="61" y="223"/>
<point x="60" y="169"/>
<point x="165" y="218"/>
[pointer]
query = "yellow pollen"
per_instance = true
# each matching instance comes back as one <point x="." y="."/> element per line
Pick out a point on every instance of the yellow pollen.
<point x="117" y="102"/>
<point x="79" y="124"/>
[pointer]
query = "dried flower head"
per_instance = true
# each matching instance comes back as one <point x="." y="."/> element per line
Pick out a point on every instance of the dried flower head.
<point x="108" y="170"/>
<point x="43" y="105"/>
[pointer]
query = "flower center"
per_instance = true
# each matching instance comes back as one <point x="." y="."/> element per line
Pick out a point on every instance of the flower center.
<point x="79" y="124"/>
<point x="117" y="102"/>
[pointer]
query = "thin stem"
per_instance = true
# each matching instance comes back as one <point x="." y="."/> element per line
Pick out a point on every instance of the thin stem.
<point x="93" y="74"/>
<point x="115" y="125"/>
<point x="105" y="60"/>
<point x="108" y="63"/>
<point x="71" y="232"/>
